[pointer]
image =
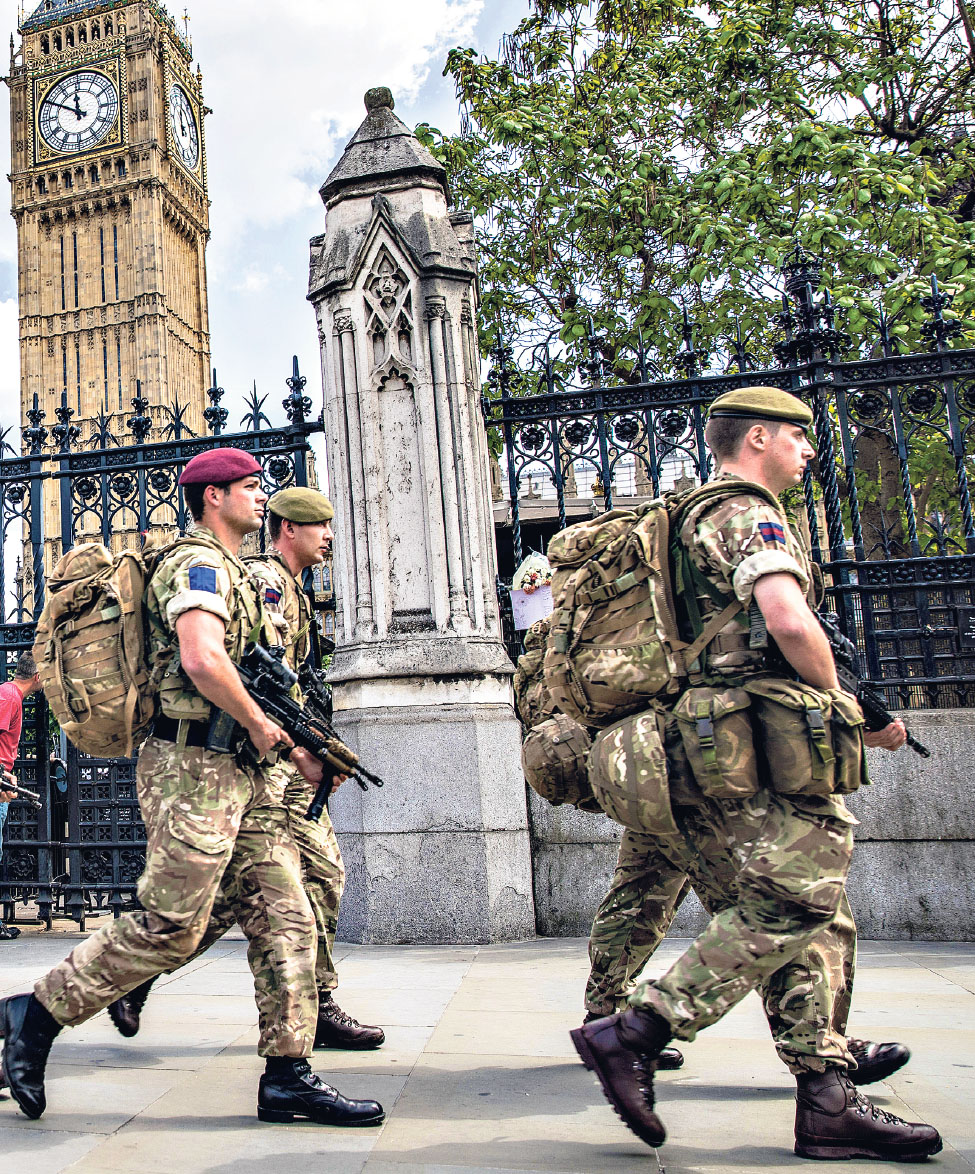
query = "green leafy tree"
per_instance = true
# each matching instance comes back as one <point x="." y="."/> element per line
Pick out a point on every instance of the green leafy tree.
<point x="627" y="158"/>
<point x="630" y="158"/>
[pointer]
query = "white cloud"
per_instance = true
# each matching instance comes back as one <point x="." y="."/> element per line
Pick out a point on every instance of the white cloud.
<point x="9" y="364"/>
<point x="285" y="81"/>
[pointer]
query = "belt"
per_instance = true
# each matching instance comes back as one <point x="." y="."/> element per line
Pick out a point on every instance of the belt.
<point x="168" y="728"/>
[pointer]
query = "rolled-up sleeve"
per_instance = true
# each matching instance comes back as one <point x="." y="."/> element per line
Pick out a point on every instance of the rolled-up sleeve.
<point x="200" y="584"/>
<point x="743" y="539"/>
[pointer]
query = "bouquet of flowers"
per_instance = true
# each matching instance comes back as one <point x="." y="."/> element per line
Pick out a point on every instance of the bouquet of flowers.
<point x="534" y="572"/>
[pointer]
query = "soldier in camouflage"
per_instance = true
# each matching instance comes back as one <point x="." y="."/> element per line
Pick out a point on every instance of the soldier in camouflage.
<point x="772" y="863"/>
<point x="299" y="526"/>
<point x="210" y="822"/>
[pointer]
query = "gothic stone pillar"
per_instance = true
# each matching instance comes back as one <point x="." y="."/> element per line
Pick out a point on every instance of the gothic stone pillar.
<point x="420" y="677"/>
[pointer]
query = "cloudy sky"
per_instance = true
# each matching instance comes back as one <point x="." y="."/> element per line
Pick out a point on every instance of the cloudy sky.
<point x="285" y="81"/>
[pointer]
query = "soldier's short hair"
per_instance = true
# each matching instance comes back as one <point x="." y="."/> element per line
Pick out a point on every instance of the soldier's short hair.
<point x="724" y="434"/>
<point x="26" y="669"/>
<point x="193" y="494"/>
<point x="274" y="526"/>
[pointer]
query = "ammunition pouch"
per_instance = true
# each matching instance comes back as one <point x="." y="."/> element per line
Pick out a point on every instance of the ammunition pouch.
<point x="628" y="772"/>
<point x="772" y="732"/>
<point x="716" y="733"/>
<point x="554" y="756"/>
<point x="811" y="740"/>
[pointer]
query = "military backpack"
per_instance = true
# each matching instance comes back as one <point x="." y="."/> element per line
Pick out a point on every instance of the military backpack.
<point x="615" y="645"/>
<point x="90" y="646"/>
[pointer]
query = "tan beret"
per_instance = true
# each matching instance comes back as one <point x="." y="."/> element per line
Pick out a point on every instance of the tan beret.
<point x="304" y="506"/>
<point x="762" y="403"/>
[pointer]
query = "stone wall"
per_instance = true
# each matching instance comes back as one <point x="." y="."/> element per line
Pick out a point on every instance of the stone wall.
<point x="912" y="874"/>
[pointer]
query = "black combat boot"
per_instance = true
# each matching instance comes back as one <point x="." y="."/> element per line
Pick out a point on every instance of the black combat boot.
<point x="125" y="1012"/>
<point x="335" y="1029"/>
<point x="834" y="1121"/>
<point x="669" y="1060"/>
<point x="290" y="1089"/>
<point x="622" y="1051"/>
<point x="8" y="932"/>
<point x="875" y="1061"/>
<point x="29" y="1030"/>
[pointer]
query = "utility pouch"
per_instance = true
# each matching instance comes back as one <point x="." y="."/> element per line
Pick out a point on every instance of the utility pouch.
<point x="628" y="773"/>
<point x="716" y="732"/>
<point x="553" y="757"/>
<point x="846" y="728"/>
<point x="792" y="734"/>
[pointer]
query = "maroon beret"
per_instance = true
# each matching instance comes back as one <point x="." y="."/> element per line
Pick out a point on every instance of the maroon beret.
<point x="219" y="465"/>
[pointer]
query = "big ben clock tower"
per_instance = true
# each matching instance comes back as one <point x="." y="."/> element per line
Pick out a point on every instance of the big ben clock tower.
<point x="109" y="195"/>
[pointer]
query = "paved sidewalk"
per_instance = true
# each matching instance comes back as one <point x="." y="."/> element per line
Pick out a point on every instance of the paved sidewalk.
<point x="477" y="1075"/>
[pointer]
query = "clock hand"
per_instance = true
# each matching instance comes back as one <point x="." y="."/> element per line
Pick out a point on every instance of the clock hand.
<point x="61" y="106"/>
<point x="77" y="106"/>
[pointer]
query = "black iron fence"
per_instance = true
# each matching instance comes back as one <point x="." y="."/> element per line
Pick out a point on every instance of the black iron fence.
<point x="887" y="499"/>
<point x="84" y="850"/>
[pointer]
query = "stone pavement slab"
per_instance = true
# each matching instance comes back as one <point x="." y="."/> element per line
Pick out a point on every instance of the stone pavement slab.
<point x="477" y="1075"/>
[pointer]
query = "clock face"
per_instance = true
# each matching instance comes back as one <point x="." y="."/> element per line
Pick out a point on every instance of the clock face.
<point x="186" y="137"/>
<point x="79" y="111"/>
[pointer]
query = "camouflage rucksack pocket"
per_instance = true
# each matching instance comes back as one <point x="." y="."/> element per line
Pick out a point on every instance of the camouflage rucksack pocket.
<point x="628" y="772"/>
<point x="554" y="756"/>
<point x="792" y="734"/>
<point x="716" y="732"/>
<point x="846" y="730"/>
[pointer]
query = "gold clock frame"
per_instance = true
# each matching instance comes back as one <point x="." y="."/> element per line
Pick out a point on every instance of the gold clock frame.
<point x="174" y="75"/>
<point x="110" y="66"/>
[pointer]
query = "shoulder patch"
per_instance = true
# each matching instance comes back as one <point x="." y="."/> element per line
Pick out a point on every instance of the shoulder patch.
<point x="773" y="533"/>
<point x="203" y="579"/>
<point x="272" y="597"/>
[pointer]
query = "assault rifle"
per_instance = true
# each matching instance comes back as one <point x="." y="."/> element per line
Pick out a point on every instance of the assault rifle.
<point x="848" y="673"/>
<point x="269" y="681"/>
<point x="21" y="794"/>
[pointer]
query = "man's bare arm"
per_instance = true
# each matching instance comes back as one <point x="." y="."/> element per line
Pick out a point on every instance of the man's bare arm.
<point x="795" y="629"/>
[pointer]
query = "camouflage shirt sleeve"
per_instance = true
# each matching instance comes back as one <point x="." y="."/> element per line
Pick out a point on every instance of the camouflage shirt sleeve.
<point x="190" y="579"/>
<point x="740" y="540"/>
<point x="274" y="594"/>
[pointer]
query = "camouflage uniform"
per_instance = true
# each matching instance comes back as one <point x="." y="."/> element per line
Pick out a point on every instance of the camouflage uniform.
<point x="322" y="870"/>
<point x="771" y="867"/>
<point x="209" y="823"/>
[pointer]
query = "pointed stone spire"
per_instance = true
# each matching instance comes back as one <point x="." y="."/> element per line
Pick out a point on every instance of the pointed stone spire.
<point x="382" y="151"/>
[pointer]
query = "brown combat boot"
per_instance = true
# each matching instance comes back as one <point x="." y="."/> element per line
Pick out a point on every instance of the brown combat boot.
<point x="126" y="1012"/>
<point x="622" y="1050"/>
<point x="335" y="1029"/>
<point x="669" y="1060"/>
<point x="834" y="1121"/>
<point x="875" y="1061"/>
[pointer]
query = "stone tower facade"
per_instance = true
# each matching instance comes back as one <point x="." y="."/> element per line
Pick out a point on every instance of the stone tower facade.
<point x="420" y="677"/>
<point x="109" y="194"/>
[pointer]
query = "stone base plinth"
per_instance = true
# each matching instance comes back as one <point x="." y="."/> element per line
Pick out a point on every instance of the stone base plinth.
<point x="441" y="853"/>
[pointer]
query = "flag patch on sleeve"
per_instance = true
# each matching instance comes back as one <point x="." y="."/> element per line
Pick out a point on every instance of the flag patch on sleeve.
<point x="203" y="579"/>
<point x="773" y="533"/>
<point x="271" y="597"/>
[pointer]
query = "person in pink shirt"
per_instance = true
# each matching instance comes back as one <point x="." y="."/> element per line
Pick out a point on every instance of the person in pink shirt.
<point x="12" y="694"/>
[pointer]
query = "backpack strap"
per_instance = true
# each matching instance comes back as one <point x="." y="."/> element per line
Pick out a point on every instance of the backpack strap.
<point x="689" y="579"/>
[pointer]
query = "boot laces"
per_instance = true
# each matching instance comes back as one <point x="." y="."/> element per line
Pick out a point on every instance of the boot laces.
<point x="645" y="1067"/>
<point x="137" y="998"/>
<point x="864" y="1106"/>
<point x="304" y="1072"/>
<point x="334" y="1012"/>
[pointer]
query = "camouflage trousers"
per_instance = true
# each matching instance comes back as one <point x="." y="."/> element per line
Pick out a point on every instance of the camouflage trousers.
<point x="322" y="873"/>
<point x="771" y="870"/>
<point x="209" y="824"/>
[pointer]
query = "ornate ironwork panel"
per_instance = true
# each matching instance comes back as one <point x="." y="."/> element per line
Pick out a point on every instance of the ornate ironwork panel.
<point x="887" y="499"/>
<point x="83" y="852"/>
